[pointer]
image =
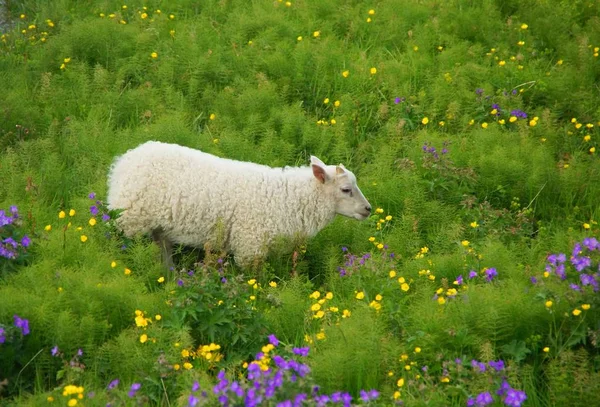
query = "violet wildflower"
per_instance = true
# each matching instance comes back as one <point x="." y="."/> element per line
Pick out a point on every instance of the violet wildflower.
<point x="483" y="399"/>
<point x="518" y="113"/>
<point x="92" y="195"/>
<point x="498" y="366"/>
<point x="2" y="335"/>
<point x="504" y="387"/>
<point x="515" y="398"/>
<point x="105" y="217"/>
<point x="478" y="365"/>
<point x="574" y="287"/>
<point x="533" y="280"/>
<point x="479" y="91"/>
<point x="54" y="351"/>
<point x="490" y="274"/>
<point x="79" y="352"/>
<point x="470" y="402"/>
<point x="301" y="351"/>
<point x="134" y="389"/>
<point x="273" y="340"/>
<point x="113" y="384"/>
<point x="22" y="324"/>
<point x="180" y="282"/>
<point x="13" y="209"/>
<point x="459" y="280"/>
<point x="472" y="274"/>
<point x="399" y="100"/>
<point x="344" y="249"/>
<point x="94" y="210"/>
<point x="192" y="400"/>
<point x="25" y="241"/>
<point x="591" y="243"/>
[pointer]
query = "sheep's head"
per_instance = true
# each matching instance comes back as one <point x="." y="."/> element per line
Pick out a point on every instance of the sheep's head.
<point x="341" y="184"/>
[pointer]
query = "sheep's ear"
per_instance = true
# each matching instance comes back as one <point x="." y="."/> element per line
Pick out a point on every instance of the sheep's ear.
<point x="318" y="168"/>
<point x="340" y="169"/>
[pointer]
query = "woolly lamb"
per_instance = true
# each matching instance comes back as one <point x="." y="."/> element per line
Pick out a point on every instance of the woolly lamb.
<point x="181" y="195"/>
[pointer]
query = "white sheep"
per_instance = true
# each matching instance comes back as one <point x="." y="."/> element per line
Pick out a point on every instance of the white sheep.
<point x="181" y="195"/>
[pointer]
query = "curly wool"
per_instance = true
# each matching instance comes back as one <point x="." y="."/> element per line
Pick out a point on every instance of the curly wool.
<point x="190" y="196"/>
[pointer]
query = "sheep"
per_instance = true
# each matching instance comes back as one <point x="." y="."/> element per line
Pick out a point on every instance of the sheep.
<point x="182" y="195"/>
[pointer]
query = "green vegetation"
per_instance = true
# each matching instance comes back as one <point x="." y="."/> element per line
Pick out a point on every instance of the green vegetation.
<point x="471" y="126"/>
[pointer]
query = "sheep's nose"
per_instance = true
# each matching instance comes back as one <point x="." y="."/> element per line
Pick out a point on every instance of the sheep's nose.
<point x="368" y="208"/>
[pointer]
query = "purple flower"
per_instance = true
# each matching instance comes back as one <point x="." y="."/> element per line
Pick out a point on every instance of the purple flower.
<point x="113" y="384"/>
<point x="490" y="274"/>
<point x="479" y="91"/>
<point x="25" y="241"/>
<point x="301" y="351"/>
<point x="504" y="387"/>
<point x="134" y="388"/>
<point x="196" y="386"/>
<point x="459" y="280"/>
<point x="483" y="399"/>
<point x="192" y="400"/>
<point x="105" y="217"/>
<point x="92" y="195"/>
<point x="472" y="274"/>
<point x="470" y="402"/>
<point x="478" y="365"/>
<point x="498" y="366"/>
<point x="458" y="361"/>
<point x="533" y="280"/>
<point x="574" y="287"/>
<point x="515" y="398"/>
<point x="518" y="113"/>
<point x="94" y="210"/>
<point x="399" y="100"/>
<point x="273" y="340"/>
<point x="180" y="282"/>
<point x="14" y="210"/>
<point x="54" y="351"/>
<point x="591" y="243"/>
<point x="22" y="323"/>
<point x="2" y="335"/>
<point x="79" y="352"/>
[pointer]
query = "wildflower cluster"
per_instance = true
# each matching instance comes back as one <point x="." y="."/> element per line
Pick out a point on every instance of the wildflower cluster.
<point x="74" y="392"/>
<point x="285" y="381"/>
<point x="144" y="15"/>
<point x="209" y="353"/>
<point x="20" y="327"/>
<point x="585" y="132"/>
<point x="330" y="110"/>
<point x="319" y="308"/>
<point x="441" y="175"/>
<point x="13" y="243"/>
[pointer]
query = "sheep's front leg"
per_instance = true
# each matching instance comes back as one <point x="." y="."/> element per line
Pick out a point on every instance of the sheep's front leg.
<point x="166" y="248"/>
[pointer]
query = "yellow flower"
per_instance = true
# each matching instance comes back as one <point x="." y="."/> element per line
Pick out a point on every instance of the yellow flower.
<point x="392" y="273"/>
<point x="154" y="55"/>
<point x="272" y="284"/>
<point x="378" y="297"/>
<point x="158" y="317"/>
<point x="546" y="274"/>
<point x="288" y="4"/>
<point x="49" y="399"/>
<point x="360" y="295"/>
<point x="576" y="311"/>
<point x="252" y="297"/>
<point x="371" y="12"/>
<point x="417" y="350"/>
<point x="484" y="125"/>
<point x="494" y="111"/>
<point x="404" y="287"/>
<point x="401" y="280"/>
<point x="441" y="300"/>
<point x="578" y="125"/>
<point x="172" y="33"/>
<point x="445" y="379"/>
<point x="72" y="212"/>
<point x="171" y="17"/>
<point x="337" y="103"/>
<point x="143" y="338"/>
<point x="546" y="349"/>
<point x="315" y="295"/>
<point x="378" y="210"/>
<point x="371" y="239"/>
<point x="400" y="382"/>
<point x="512" y="119"/>
<point x="345" y="74"/>
<point x="471" y="122"/>
<point x="369" y="20"/>
<point x="187" y="366"/>
<point x="593" y="150"/>
<point x="425" y="120"/>
<point x="176" y="366"/>
<point x="380" y="246"/>
<point x="61" y="214"/>
<point x="315" y="307"/>
<point x="346" y="313"/>
<point x="252" y="281"/>
<point x="586" y="226"/>
<point x="319" y="314"/>
<point x="92" y="221"/>
<point x="334" y="309"/>
<point x="161" y="279"/>
<point x="321" y="336"/>
<point x="549" y="304"/>
<point x="373" y="71"/>
<point x="83" y="238"/>
<point x="586" y="306"/>
<point x="502" y="63"/>
<point x="465" y="243"/>
<point x="521" y="43"/>
<point x="329" y="295"/>
<point x="416" y="48"/>
<point x="72" y="402"/>
<point x="127" y="271"/>
<point x="316" y="34"/>
<point x="524" y="26"/>
<point x="533" y="123"/>
<point x="388" y="218"/>
<point x="587" y="137"/>
<point x="144" y="16"/>
<point x="474" y="224"/>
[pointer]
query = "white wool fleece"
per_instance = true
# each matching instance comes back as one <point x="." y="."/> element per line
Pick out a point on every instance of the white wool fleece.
<point x="190" y="196"/>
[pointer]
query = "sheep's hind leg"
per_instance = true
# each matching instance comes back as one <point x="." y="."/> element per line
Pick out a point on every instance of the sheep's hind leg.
<point x="166" y="248"/>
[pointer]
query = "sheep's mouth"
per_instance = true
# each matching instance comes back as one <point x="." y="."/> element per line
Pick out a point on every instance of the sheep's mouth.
<point x="363" y="215"/>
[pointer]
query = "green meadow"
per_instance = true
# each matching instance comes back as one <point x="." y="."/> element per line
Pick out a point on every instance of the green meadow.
<point x="472" y="128"/>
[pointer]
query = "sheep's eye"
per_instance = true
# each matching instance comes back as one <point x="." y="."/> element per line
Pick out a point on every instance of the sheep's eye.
<point x="346" y="190"/>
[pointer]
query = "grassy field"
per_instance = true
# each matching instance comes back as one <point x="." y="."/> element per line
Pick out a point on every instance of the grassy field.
<point x="472" y="127"/>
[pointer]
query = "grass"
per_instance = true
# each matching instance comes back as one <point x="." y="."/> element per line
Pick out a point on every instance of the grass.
<point x="273" y="83"/>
